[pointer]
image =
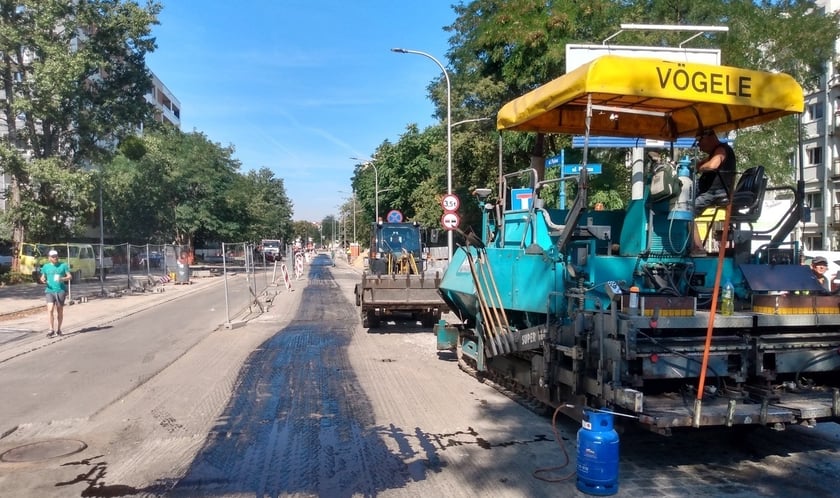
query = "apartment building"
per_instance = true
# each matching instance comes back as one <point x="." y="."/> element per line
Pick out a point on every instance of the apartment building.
<point x="167" y="107"/>
<point x="821" y="158"/>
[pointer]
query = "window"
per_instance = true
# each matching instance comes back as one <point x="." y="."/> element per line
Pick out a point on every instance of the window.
<point x="815" y="111"/>
<point x="814" y="243"/>
<point x="814" y="200"/>
<point x="814" y="156"/>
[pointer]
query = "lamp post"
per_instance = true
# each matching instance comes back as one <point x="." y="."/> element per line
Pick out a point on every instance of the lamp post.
<point x="101" y="240"/>
<point x="448" y="130"/>
<point x="343" y="234"/>
<point x="365" y="164"/>
<point x="354" y="213"/>
<point x="354" y="218"/>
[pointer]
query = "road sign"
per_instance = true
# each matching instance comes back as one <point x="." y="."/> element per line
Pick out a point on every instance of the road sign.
<point x="574" y="169"/>
<point x="394" y="216"/>
<point x="450" y="203"/>
<point x="553" y="161"/>
<point x="520" y="198"/>
<point x="450" y="221"/>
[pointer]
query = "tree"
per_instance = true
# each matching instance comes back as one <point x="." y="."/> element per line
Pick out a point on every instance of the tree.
<point x="790" y="36"/>
<point x="186" y="188"/>
<point x="267" y="209"/>
<point x="304" y="232"/>
<point x="74" y="81"/>
<point x="412" y="179"/>
<point x="501" y="49"/>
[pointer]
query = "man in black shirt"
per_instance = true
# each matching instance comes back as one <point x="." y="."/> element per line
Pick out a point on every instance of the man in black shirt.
<point x="717" y="175"/>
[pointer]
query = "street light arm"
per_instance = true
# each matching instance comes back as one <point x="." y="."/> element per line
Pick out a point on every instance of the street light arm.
<point x="365" y="164"/>
<point x="473" y="120"/>
<point x="450" y="241"/>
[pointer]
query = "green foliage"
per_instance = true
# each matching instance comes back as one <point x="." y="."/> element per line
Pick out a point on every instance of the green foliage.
<point x="82" y="88"/>
<point x="769" y="146"/>
<point x="74" y="81"/>
<point x="266" y="207"/>
<point x="188" y="189"/>
<point x="132" y="147"/>
<point x="306" y="231"/>
<point x="14" y="278"/>
<point x="55" y="201"/>
<point x="501" y="49"/>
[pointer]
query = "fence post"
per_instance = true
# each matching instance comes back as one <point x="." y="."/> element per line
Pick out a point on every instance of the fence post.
<point x="224" y="274"/>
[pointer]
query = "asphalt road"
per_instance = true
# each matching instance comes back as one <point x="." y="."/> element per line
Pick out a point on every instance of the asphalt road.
<point x="304" y="402"/>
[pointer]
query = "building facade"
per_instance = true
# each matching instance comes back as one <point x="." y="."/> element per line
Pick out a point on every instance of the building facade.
<point x="167" y="106"/>
<point x="821" y="159"/>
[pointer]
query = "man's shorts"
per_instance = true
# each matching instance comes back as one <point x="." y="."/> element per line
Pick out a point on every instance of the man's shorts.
<point x="56" y="298"/>
<point x="708" y="198"/>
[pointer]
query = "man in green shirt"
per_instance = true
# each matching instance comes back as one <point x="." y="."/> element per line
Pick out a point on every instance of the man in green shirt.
<point x="56" y="275"/>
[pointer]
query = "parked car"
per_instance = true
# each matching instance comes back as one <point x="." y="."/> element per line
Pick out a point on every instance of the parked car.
<point x="6" y="252"/>
<point x="139" y="260"/>
<point x="271" y="250"/>
<point x="155" y="259"/>
<point x="107" y="261"/>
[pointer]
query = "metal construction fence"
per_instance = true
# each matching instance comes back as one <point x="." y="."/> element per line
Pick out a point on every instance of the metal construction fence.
<point x="150" y="259"/>
<point x="251" y="278"/>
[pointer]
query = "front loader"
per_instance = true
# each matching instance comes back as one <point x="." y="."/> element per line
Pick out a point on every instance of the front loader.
<point x="396" y="282"/>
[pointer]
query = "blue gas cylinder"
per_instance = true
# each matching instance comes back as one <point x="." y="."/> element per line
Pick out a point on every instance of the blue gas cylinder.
<point x="597" y="457"/>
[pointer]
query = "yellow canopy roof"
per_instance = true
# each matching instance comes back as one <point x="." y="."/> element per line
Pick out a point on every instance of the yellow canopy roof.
<point x="652" y="98"/>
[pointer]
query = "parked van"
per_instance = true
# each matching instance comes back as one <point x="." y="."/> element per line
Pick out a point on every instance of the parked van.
<point x="80" y="257"/>
<point x="31" y="257"/>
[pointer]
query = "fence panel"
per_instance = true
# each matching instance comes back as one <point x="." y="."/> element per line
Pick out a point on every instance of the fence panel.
<point x="140" y="267"/>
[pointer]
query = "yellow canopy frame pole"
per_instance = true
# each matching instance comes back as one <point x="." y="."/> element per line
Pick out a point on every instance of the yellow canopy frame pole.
<point x="701" y="385"/>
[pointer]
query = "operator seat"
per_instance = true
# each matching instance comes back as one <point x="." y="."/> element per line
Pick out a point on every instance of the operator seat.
<point x="748" y="197"/>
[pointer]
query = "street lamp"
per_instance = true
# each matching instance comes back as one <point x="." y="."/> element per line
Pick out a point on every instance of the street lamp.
<point x="354" y="218"/>
<point x="448" y="130"/>
<point x="354" y="214"/>
<point x="365" y="164"/>
<point x="101" y="239"/>
<point x="471" y="120"/>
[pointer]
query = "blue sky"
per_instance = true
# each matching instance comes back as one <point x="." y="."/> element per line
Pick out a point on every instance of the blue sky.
<point x="299" y="87"/>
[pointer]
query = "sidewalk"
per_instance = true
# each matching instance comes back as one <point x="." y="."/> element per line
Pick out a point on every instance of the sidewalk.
<point x="23" y="316"/>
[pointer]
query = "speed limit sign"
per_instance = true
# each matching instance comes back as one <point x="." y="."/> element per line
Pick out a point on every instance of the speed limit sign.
<point x="450" y="202"/>
<point x="450" y="221"/>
